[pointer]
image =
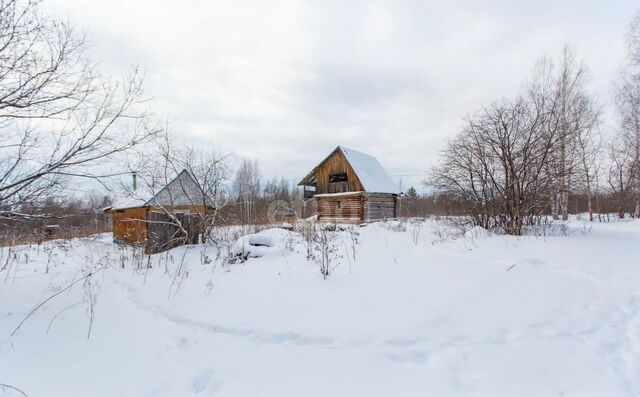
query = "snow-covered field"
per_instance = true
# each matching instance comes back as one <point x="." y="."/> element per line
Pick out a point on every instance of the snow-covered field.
<point x="415" y="313"/>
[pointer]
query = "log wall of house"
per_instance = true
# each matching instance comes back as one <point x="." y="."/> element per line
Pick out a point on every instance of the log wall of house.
<point x="341" y="208"/>
<point x="129" y="225"/>
<point x="356" y="208"/>
<point x="336" y="164"/>
<point x="379" y="206"/>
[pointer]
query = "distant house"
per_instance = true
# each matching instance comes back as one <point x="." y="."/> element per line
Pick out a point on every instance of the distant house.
<point x="351" y="187"/>
<point x="152" y="222"/>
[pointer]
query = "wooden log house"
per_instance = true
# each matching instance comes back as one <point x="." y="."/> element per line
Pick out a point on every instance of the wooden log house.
<point x="349" y="186"/>
<point x="146" y="223"/>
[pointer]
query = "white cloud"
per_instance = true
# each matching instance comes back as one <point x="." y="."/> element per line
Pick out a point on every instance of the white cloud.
<point x="286" y="81"/>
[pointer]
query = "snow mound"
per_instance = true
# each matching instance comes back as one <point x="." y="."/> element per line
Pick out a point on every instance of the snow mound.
<point x="477" y="233"/>
<point x="260" y="244"/>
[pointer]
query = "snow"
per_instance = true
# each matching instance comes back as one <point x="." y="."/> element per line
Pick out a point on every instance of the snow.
<point x="128" y="202"/>
<point x="477" y="232"/>
<point x="372" y="175"/>
<point x="182" y="190"/>
<point x="338" y="194"/>
<point x="260" y="244"/>
<point x="504" y="316"/>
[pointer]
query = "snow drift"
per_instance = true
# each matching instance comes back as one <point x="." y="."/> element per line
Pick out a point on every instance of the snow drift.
<point x="257" y="245"/>
<point x="395" y="318"/>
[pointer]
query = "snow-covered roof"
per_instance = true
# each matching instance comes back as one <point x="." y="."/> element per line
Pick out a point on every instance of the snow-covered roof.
<point x="372" y="175"/>
<point x="126" y="202"/>
<point x="182" y="190"/>
<point x="338" y="194"/>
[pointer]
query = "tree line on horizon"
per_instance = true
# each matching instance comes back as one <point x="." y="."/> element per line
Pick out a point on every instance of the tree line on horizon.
<point x="515" y="162"/>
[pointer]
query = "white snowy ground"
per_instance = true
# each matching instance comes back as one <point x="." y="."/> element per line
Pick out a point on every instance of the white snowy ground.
<point x="436" y="318"/>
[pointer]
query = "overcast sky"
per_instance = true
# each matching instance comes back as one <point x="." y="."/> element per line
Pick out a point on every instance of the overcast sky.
<point x="285" y="82"/>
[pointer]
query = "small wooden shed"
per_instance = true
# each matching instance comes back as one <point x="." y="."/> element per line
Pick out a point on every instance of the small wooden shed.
<point x="349" y="186"/>
<point x="147" y="223"/>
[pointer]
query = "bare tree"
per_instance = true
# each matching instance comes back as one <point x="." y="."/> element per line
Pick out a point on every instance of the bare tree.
<point x="496" y="166"/>
<point x="625" y="150"/>
<point x="515" y="157"/>
<point x="621" y="174"/>
<point x="589" y="148"/>
<point x="246" y="186"/>
<point x="212" y="172"/>
<point x="633" y="41"/>
<point x="184" y="182"/>
<point x="569" y="113"/>
<point x="58" y="117"/>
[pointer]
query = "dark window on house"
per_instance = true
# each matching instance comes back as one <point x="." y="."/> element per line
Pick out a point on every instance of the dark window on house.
<point x="309" y="191"/>
<point x="338" y="204"/>
<point x="338" y="183"/>
<point x="333" y="178"/>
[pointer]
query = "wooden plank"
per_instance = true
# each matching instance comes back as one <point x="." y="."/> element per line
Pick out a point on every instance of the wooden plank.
<point x="164" y="234"/>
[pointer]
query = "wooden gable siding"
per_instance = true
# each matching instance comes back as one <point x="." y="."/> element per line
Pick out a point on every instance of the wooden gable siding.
<point x="336" y="164"/>
<point x="129" y="225"/>
<point x="341" y="209"/>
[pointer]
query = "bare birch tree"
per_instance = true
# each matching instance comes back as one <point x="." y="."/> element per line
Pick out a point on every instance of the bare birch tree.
<point x="620" y="176"/>
<point x="625" y="150"/>
<point x="589" y="149"/>
<point x="633" y="40"/>
<point x="515" y="156"/>
<point x="571" y="113"/>
<point x="246" y="186"/>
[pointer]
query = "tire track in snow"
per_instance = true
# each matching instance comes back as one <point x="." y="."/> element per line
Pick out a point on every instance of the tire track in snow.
<point x="415" y="350"/>
<point x="246" y="333"/>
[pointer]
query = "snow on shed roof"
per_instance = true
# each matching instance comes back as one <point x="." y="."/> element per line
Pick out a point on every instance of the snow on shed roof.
<point x="126" y="202"/>
<point x="372" y="175"/>
<point x="182" y="190"/>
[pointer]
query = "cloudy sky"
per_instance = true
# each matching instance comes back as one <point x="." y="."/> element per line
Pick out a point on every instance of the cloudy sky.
<point x="284" y="82"/>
